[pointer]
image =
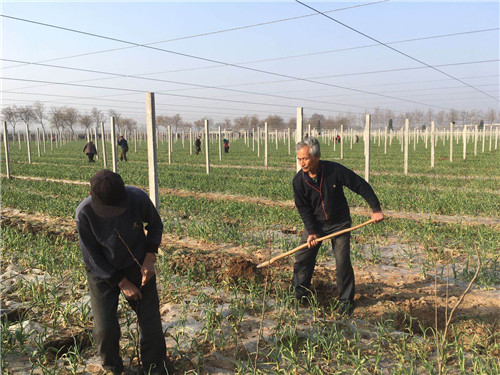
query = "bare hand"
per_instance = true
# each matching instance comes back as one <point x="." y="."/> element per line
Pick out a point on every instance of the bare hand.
<point x="377" y="216"/>
<point x="130" y="290"/>
<point x="311" y="240"/>
<point x="148" y="268"/>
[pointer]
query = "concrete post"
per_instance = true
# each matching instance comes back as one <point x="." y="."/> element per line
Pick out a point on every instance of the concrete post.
<point x="220" y="144"/>
<point x="289" y="151"/>
<point x="6" y="145"/>
<point x="38" y="141"/>
<point x="96" y="143"/>
<point x="266" y="145"/>
<point x="451" y="142"/>
<point x="475" y="140"/>
<point x="207" y="147"/>
<point x="191" y="141"/>
<point x="366" y="139"/>
<point x="152" y="149"/>
<point x="28" y="143"/>
<point x="432" y="145"/>
<point x="406" y="141"/>
<point x="113" y="145"/>
<point x="103" y="141"/>
<point x="341" y="142"/>
<point x="169" y="143"/>
<point x="464" y="138"/>
<point x="299" y="131"/>
<point x="258" y="142"/>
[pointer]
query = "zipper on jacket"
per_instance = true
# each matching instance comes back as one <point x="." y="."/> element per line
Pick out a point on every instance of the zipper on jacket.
<point x="319" y="190"/>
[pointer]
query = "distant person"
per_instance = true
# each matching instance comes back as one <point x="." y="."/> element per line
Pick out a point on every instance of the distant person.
<point x="197" y="144"/>
<point x="226" y="145"/>
<point x="119" y="257"/>
<point x="122" y="142"/>
<point x="338" y="138"/>
<point x="319" y="197"/>
<point x="357" y="139"/>
<point x="90" y="150"/>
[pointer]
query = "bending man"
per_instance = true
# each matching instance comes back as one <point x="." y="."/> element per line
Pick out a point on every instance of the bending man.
<point x="119" y="257"/>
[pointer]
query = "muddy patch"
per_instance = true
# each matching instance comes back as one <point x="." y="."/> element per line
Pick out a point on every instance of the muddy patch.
<point x="241" y="268"/>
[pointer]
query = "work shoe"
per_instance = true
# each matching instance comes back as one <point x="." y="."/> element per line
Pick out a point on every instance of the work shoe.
<point x="347" y="308"/>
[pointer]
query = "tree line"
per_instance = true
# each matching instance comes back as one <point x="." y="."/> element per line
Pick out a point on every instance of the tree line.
<point x="68" y="118"/>
<point x="62" y="118"/>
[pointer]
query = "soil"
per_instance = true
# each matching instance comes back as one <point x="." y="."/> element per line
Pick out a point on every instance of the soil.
<point x="471" y="220"/>
<point x="387" y="290"/>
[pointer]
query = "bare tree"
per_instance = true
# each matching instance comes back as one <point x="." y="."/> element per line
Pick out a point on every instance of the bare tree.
<point x="275" y="122"/>
<point x="70" y="118"/>
<point x="118" y="117"/>
<point x="97" y="115"/>
<point x="56" y="118"/>
<point x="86" y="121"/>
<point x="162" y="121"/>
<point x="26" y="114"/>
<point x="200" y="124"/>
<point x="490" y="116"/>
<point x="128" y="123"/>
<point x="175" y="121"/>
<point x="39" y="110"/>
<point x="254" y="121"/>
<point x="453" y="115"/>
<point x="242" y="122"/>
<point x="227" y="124"/>
<point x="10" y="114"/>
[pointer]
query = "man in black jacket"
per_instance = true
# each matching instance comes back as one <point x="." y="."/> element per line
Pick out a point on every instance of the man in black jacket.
<point x="320" y="200"/>
<point x="120" y="257"/>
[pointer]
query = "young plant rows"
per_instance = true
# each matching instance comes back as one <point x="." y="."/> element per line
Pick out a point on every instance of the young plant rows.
<point x="220" y="314"/>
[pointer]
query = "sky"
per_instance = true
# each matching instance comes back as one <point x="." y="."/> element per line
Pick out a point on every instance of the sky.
<point x="230" y="59"/>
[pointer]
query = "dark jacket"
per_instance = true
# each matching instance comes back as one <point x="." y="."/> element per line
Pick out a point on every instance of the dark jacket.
<point x="104" y="253"/>
<point x="90" y="148"/>
<point x="123" y="144"/>
<point x="324" y="201"/>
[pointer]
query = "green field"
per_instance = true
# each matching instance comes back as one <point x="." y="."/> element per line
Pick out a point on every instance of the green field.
<point x="409" y="268"/>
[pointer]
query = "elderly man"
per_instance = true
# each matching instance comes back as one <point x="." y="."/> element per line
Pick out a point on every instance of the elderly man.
<point x="120" y="257"/>
<point x="320" y="200"/>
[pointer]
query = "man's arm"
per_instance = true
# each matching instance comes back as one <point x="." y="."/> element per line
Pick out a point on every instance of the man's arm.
<point x="361" y="187"/>
<point x="92" y="253"/>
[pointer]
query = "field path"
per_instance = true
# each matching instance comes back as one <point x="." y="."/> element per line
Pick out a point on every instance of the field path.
<point x="417" y="216"/>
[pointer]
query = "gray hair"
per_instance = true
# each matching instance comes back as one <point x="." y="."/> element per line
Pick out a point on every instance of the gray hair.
<point x="313" y="145"/>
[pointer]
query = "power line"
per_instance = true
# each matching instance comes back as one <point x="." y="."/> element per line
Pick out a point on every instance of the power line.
<point x="211" y="33"/>
<point x="395" y="50"/>
<point x="327" y="51"/>
<point x="200" y="86"/>
<point x="216" y="61"/>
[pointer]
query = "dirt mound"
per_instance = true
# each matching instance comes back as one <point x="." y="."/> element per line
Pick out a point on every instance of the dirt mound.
<point x="63" y="344"/>
<point x="241" y="268"/>
<point x="325" y="291"/>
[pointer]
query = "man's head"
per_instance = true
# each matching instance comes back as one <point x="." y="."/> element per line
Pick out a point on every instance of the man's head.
<point x="308" y="154"/>
<point x="109" y="197"/>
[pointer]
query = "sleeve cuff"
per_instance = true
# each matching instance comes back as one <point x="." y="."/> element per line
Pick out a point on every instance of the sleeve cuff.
<point x="115" y="278"/>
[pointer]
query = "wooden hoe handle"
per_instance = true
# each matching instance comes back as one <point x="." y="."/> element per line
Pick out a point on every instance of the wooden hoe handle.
<point x="303" y="246"/>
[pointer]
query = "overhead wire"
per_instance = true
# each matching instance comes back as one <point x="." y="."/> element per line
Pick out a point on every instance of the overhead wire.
<point x="216" y="61"/>
<point x="396" y="50"/>
<point x="215" y="32"/>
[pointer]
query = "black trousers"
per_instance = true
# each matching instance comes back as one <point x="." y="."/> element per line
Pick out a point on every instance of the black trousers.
<point x="91" y="157"/>
<point x="305" y="261"/>
<point x="106" y="331"/>
<point x="123" y="154"/>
